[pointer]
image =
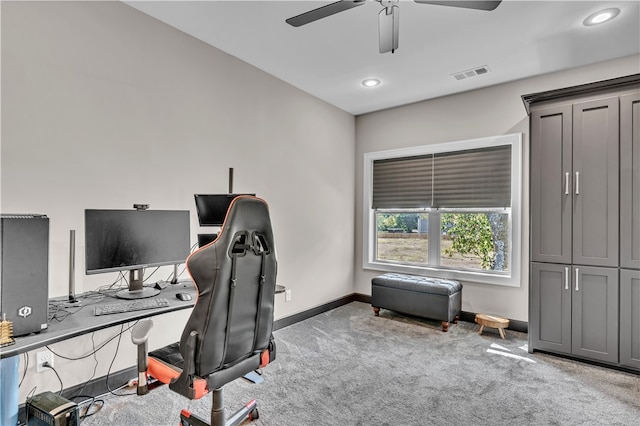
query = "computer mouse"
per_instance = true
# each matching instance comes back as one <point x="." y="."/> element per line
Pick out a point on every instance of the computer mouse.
<point x="183" y="296"/>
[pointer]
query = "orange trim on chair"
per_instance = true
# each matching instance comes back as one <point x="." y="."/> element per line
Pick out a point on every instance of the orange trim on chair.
<point x="264" y="358"/>
<point x="162" y="371"/>
<point x="200" y="386"/>
<point x="166" y="373"/>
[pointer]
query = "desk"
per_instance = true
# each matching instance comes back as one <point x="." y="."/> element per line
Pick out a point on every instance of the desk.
<point x="83" y="321"/>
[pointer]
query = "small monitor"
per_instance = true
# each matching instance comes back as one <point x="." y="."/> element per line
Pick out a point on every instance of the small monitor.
<point x="204" y="239"/>
<point x="212" y="208"/>
<point x="131" y="240"/>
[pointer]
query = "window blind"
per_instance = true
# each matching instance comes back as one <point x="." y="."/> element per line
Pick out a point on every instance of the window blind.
<point x="472" y="178"/>
<point x="402" y="182"/>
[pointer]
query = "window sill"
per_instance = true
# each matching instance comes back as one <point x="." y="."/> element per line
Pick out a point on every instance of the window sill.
<point x="465" y="276"/>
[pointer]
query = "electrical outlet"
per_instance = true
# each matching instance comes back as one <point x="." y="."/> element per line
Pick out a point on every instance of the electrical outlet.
<point x="287" y="296"/>
<point x="41" y="358"/>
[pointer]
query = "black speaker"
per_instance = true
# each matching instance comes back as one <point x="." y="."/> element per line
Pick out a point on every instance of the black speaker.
<point x="24" y="277"/>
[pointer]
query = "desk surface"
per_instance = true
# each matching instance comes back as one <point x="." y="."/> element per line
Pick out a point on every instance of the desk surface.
<point x="81" y="320"/>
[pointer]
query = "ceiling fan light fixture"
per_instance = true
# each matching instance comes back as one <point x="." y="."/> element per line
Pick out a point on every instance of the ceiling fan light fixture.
<point x="371" y="82"/>
<point x="601" y="17"/>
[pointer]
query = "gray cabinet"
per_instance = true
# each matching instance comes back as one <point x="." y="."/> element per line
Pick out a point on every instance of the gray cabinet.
<point x="551" y="304"/>
<point x="574" y="183"/>
<point x="595" y="182"/>
<point x="594" y="313"/>
<point x="576" y="309"/>
<point x="630" y="318"/>
<point x="630" y="181"/>
<point x="585" y="231"/>
<point x="630" y="230"/>
<point x="551" y="189"/>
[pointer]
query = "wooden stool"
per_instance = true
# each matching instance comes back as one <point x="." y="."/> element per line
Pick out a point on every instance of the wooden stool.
<point x="493" y="322"/>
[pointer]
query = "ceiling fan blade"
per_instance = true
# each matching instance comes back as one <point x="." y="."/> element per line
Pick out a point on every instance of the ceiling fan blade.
<point x="388" y="29"/>
<point x="468" y="4"/>
<point x="323" y="12"/>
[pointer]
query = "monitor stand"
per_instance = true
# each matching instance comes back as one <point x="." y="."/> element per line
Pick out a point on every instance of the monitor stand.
<point x="174" y="280"/>
<point x="136" y="289"/>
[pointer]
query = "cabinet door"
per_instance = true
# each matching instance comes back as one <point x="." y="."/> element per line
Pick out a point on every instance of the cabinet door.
<point x="595" y="186"/>
<point x="550" y="307"/>
<point x="630" y="181"/>
<point x="551" y="189"/>
<point x="594" y="319"/>
<point x="630" y="318"/>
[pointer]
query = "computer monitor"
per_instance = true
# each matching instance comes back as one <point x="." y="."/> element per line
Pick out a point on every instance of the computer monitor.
<point x="204" y="239"/>
<point x="121" y="240"/>
<point x="212" y="208"/>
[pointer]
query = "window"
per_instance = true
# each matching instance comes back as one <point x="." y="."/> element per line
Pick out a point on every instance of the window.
<point x="449" y="210"/>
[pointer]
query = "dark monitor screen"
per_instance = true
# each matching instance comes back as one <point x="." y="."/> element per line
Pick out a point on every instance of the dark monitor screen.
<point x="119" y="240"/>
<point x="212" y="208"/>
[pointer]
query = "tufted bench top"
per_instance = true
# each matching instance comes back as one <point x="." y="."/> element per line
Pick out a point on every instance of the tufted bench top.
<point x="417" y="283"/>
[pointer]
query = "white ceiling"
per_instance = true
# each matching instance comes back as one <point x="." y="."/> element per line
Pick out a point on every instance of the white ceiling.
<point x="330" y="57"/>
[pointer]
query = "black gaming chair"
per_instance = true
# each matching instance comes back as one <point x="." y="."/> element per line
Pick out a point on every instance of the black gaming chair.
<point x="229" y="332"/>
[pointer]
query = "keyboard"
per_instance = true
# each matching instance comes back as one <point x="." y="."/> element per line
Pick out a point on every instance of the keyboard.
<point x="130" y="306"/>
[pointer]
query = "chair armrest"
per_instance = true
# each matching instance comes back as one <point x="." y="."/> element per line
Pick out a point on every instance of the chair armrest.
<point x="184" y="384"/>
<point x="140" y="332"/>
<point x="139" y="336"/>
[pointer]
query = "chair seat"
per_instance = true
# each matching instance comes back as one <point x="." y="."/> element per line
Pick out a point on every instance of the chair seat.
<point x="169" y="354"/>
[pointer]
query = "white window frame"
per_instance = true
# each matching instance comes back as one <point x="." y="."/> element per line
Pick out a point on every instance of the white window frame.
<point x="510" y="279"/>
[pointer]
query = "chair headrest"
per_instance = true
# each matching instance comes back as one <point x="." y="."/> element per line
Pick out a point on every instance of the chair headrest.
<point x="247" y="212"/>
<point x="250" y="215"/>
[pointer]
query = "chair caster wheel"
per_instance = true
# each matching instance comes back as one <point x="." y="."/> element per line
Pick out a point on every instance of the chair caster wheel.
<point x="254" y="414"/>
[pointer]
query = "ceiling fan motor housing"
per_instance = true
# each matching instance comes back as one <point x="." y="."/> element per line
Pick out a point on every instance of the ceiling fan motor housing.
<point x="388" y="3"/>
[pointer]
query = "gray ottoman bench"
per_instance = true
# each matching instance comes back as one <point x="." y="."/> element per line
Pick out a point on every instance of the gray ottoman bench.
<point x="432" y="298"/>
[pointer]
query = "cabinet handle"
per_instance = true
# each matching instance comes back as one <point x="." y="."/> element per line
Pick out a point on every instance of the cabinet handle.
<point x="566" y="183"/>
<point x="577" y="278"/>
<point x="566" y="278"/>
<point x="577" y="183"/>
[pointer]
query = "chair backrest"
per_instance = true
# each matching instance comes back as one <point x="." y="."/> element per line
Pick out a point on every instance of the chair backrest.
<point x="235" y="278"/>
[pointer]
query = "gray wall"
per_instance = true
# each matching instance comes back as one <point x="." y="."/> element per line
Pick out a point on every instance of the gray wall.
<point x="492" y="111"/>
<point x="103" y="107"/>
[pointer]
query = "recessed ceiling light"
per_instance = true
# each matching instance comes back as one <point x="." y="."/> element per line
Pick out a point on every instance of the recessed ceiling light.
<point x="371" y="82"/>
<point x="601" y="17"/>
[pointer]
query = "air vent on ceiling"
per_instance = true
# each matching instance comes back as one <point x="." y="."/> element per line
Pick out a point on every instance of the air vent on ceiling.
<point x="471" y="73"/>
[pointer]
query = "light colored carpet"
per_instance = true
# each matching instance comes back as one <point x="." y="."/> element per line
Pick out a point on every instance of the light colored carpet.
<point x="348" y="367"/>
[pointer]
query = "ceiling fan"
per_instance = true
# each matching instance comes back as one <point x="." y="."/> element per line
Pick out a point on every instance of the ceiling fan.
<point x="388" y="18"/>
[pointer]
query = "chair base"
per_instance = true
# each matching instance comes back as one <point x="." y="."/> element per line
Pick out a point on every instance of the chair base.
<point x="249" y="411"/>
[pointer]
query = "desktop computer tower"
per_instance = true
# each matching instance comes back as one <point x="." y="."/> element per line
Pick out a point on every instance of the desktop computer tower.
<point x="24" y="272"/>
